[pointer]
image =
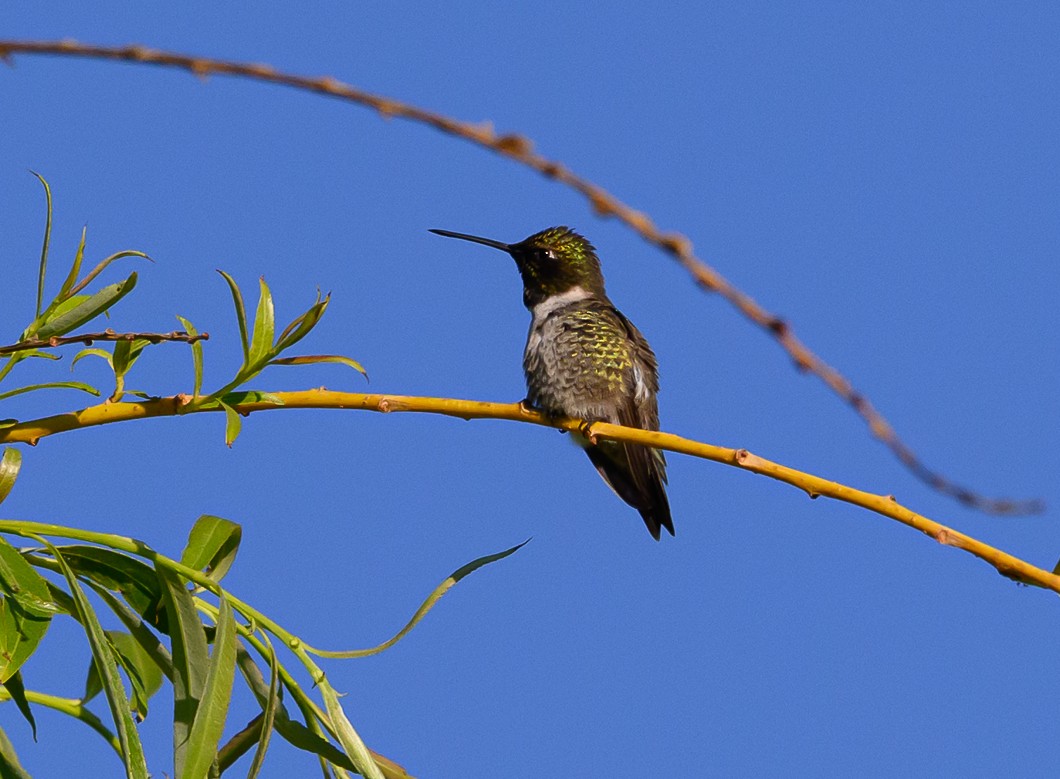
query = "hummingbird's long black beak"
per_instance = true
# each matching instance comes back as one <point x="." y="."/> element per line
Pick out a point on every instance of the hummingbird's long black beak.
<point x="504" y="247"/>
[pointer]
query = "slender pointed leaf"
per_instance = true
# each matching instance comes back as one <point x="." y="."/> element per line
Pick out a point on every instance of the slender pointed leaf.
<point x="93" y="684"/>
<point x="352" y="744"/>
<point x="118" y="572"/>
<point x="25" y="610"/>
<point x="10" y="463"/>
<point x="268" y="722"/>
<point x="212" y="545"/>
<point x="425" y="607"/>
<point x="75" y="269"/>
<point x="126" y="353"/>
<point x="191" y="658"/>
<point x="10" y="767"/>
<point x="300" y="327"/>
<point x="143" y="673"/>
<point x="196" y="355"/>
<point x="233" y="424"/>
<point x="17" y="691"/>
<point x="106" y="663"/>
<point x="103" y="266"/>
<point x="122" y="353"/>
<point x="239" y="744"/>
<point x="255" y="681"/>
<point x="88" y="309"/>
<point x="44" y="246"/>
<point x="310" y="359"/>
<point x="213" y="708"/>
<point x="139" y="630"/>
<point x="294" y="733"/>
<point x="298" y="735"/>
<point x="22" y="584"/>
<point x="57" y="308"/>
<point x="64" y="604"/>
<point x="40" y="354"/>
<point x="141" y="670"/>
<point x="93" y="351"/>
<point x="77" y="385"/>
<point x="241" y="315"/>
<point x="251" y="396"/>
<point x="261" y="342"/>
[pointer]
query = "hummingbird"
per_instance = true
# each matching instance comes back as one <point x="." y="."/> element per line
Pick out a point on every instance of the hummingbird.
<point x="584" y="359"/>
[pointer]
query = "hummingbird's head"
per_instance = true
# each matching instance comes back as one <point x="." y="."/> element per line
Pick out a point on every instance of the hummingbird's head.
<point x="551" y="262"/>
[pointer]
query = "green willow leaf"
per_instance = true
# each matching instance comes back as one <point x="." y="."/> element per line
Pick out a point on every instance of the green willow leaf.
<point x="77" y="385"/>
<point x="196" y="355"/>
<point x="93" y="351"/>
<point x="300" y="327"/>
<point x="268" y="721"/>
<point x="241" y="315"/>
<point x="261" y="342"/>
<point x="294" y="733"/>
<point x="126" y="353"/>
<point x="17" y="691"/>
<point x="88" y="309"/>
<point x="251" y="396"/>
<point x="212" y="545"/>
<point x="39" y="354"/>
<point x="106" y="663"/>
<point x="425" y="607"/>
<point x="233" y="424"/>
<point x="26" y="609"/>
<point x="112" y="570"/>
<point x="140" y="668"/>
<point x="210" y="717"/>
<point x="139" y="630"/>
<point x="57" y="308"/>
<point x="10" y="767"/>
<point x="363" y="761"/>
<point x="75" y="269"/>
<point x="238" y="745"/>
<point x="310" y="359"/>
<point x="103" y="266"/>
<point x="23" y="585"/>
<point x="191" y="658"/>
<point x="10" y="464"/>
<point x="44" y="246"/>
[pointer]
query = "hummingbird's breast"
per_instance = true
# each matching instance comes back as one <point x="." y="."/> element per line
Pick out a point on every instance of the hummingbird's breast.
<point x="583" y="359"/>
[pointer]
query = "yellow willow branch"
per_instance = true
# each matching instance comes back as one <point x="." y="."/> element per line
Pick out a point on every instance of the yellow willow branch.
<point x="521" y="149"/>
<point x="106" y="413"/>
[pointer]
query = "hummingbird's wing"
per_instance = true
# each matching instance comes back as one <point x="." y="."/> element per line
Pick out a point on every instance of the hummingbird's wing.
<point x="637" y="473"/>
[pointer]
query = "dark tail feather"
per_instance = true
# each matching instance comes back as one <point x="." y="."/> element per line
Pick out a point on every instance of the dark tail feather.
<point x="658" y="517"/>
<point x="636" y="476"/>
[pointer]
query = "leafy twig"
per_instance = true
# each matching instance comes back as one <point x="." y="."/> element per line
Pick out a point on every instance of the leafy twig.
<point x="107" y="335"/>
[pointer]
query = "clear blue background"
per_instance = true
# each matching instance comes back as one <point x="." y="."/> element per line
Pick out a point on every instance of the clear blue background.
<point x="886" y="176"/>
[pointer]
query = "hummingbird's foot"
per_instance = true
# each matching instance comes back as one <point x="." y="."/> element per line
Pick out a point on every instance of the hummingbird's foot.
<point x="528" y="408"/>
<point x="586" y="429"/>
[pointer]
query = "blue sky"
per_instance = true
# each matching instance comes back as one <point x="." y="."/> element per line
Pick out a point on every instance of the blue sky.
<point x="886" y="177"/>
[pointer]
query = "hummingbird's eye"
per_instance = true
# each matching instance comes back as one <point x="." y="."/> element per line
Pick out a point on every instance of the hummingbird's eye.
<point x="548" y="254"/>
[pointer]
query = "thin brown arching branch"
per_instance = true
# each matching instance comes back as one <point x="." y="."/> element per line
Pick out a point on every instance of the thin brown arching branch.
<point x="31" y="432"/>
<point x="88" y="339"/>
<point x="521" y="149"/>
